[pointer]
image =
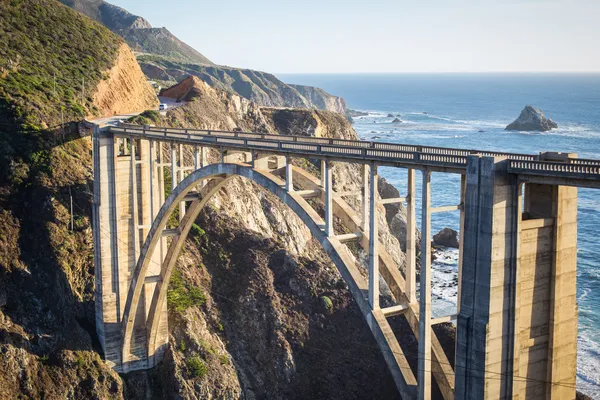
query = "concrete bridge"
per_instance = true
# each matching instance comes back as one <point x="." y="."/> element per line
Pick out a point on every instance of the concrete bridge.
<point x="516" y="316"/>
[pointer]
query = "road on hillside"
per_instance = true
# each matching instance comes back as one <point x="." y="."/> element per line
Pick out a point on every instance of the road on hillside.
<point x="115" y="119"/>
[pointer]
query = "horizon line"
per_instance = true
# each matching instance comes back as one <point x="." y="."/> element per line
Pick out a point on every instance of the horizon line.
<point x="441" y="72"/>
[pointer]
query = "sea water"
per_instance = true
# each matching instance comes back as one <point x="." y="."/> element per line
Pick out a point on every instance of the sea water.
<point x="471" y="111"/>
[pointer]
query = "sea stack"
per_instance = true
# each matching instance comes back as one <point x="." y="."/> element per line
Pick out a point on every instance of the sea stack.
<point x="396" y="121"/>
<point x="532" y="119"/>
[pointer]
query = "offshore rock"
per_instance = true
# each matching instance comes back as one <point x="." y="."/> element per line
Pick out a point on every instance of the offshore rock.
<point x="446" y="237"/>
<point x="532" y="119"/>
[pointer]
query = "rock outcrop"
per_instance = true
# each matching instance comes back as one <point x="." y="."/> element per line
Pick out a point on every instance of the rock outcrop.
<point x="322" y="100"/>
<point x="260" y="87"/>
<point x="125" y="89"/>
<point x="446" y="237"/>
<point x="532" y="119"/>
<point x="396" y="121"/>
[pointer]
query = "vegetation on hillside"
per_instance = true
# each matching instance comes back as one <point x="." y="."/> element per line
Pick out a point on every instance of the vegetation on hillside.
<point x="48" y="54"/>
<point x="42" y="43"/>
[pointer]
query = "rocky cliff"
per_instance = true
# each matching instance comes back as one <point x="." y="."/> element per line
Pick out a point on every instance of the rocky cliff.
<point x="321" y="99"/>
<point x="260" y="87"/>
<point x="124" y="88"/>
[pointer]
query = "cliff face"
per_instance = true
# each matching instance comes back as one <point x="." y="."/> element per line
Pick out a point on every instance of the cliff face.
<point x="260" y="87"/>
<point x="124" y="89"/>
<point x="321" y="99"/>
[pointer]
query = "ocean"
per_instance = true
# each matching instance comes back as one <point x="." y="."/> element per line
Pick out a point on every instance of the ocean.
<point x="471" y="111"/>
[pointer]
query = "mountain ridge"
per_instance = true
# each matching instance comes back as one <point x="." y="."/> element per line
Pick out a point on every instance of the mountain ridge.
<point x="139" y="34"/>
<point x="168" y="60"/>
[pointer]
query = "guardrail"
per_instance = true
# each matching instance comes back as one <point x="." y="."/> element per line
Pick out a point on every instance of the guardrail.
<point x="448" y="151"/>
<point x="304" y="148"/>
<point x="575" y="170"/>
<point x="454" y="160"/>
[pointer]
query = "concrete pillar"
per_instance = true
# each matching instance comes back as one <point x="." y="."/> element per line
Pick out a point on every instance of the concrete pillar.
<point x="328" y="174"/>
<point x="173" y="167"/>
<point x="373" y="241"/>
<point x="411" y="239"/>
<point x="424" y="364"/>
<point x="289" y="183"/>
<point x="323" y="172"/>
<point x="463" y="188"/>
<point x="134" y="203"/>
<point x="261" y="161"/>
<point x="485" y="324"/>
<point x="181" y="177"/>
<point x="366" y="193"/>
<point x="546" y="342"/>
<point x="106" y="251"/>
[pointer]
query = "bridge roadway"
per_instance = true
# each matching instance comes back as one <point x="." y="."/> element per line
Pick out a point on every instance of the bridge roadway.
<point x="516" y="315"/>
<point x="530" y="167"/>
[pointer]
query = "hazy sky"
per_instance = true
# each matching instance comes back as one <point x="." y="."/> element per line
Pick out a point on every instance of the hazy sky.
<point x="384" y="35"/>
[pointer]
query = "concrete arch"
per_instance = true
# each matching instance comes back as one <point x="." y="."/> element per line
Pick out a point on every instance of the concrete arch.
<point x="338" y="253"/>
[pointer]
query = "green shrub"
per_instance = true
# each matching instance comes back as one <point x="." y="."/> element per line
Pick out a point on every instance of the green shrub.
<point x="181" y="296"/>
<point x="148" y="117"/>
<point x="327" y="304"/>
<point x="197" y="367"/>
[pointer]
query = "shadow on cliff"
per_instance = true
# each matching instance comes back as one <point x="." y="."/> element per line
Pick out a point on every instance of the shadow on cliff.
<point x="40" y="298"/>
<point x="284" y="340"/>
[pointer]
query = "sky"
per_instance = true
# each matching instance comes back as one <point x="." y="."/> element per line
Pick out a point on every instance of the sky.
<point x="349" y="36"/>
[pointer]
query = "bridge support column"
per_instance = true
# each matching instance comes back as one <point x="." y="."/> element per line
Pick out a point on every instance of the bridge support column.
<point x="126" y="190"/>
<point x="411" y="239"/>
<point x="485" y="324"/>
<point x="424" y="364"/>
<point x="517" y="325"/>
<point x="373" y="241"/>
<point x="365" y="203"/>
<point x="289" y="183"/>
<point x="328" y="176"/>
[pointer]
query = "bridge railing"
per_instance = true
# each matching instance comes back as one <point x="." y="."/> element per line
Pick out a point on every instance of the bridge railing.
<point x="554" y="168"/>
<point x="342" y="142"/>
<point x="289" y="145"/>
<point x="450" y="159"/>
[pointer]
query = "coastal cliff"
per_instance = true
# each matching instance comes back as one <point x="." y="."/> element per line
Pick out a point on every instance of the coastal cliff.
<point x="260" y="87"/>
<point x="124" y="88"/>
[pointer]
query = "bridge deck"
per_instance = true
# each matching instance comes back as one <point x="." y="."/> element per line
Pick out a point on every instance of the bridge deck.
<point x="530" y="167"/>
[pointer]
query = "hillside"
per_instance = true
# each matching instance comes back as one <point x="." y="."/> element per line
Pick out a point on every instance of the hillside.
<point x="260" y="87"/>
<point x="138" y="32"/>
<point x="168" y="60"/>
<point x="48" y="343"/>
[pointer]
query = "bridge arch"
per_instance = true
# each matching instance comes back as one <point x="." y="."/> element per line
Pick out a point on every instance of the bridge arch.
<point x="337" y="252"/>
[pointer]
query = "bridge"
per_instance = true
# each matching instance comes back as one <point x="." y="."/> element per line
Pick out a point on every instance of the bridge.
<point x="516" y="318"/>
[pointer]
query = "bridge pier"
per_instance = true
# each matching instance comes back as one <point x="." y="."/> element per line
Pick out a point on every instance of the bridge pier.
<point x="517" y="325"/>
<point x="128" y="189"/>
